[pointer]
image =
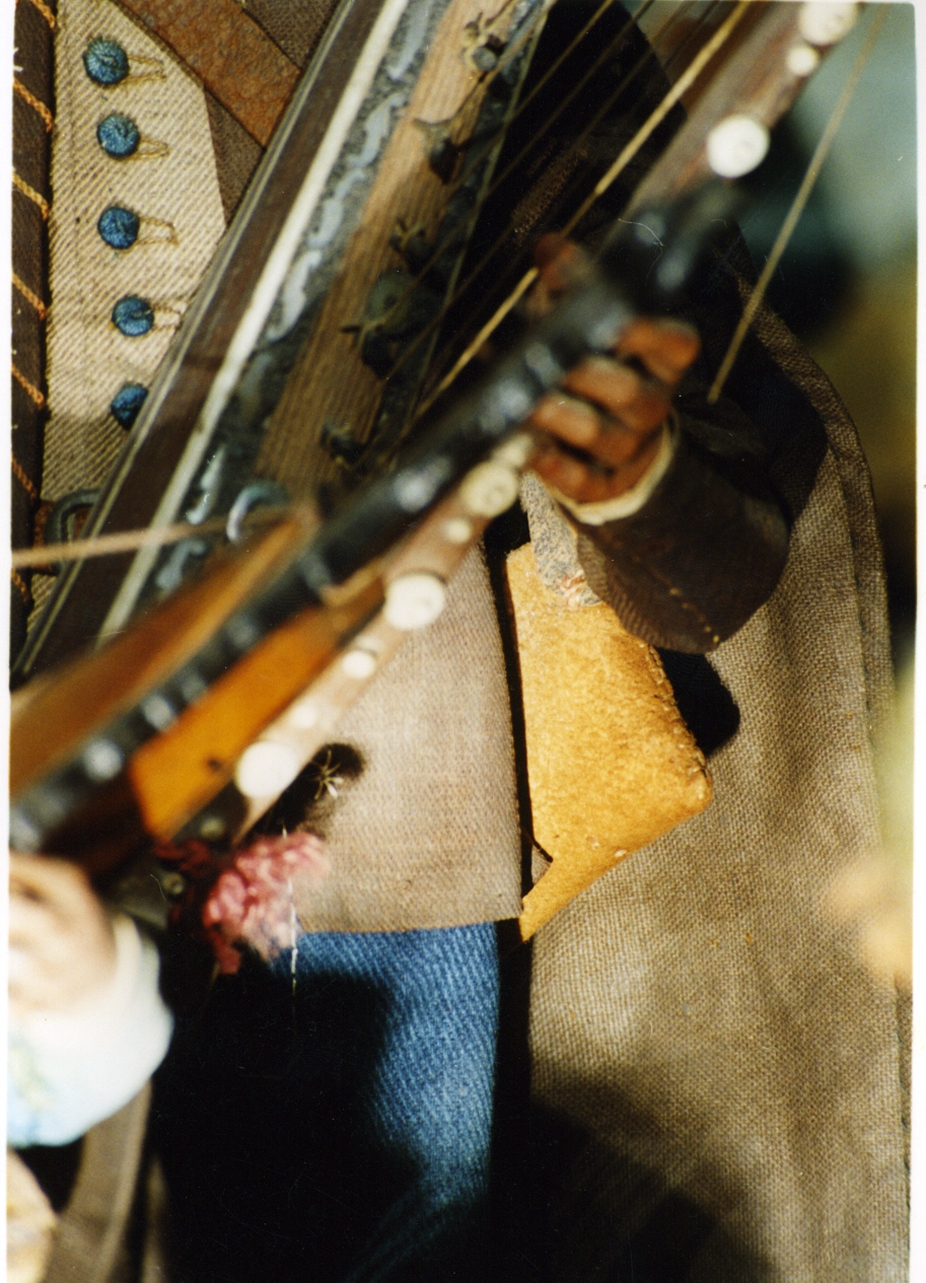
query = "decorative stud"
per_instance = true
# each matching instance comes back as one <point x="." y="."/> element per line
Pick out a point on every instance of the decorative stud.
<point x="158" y="712"/>
<point x="127" y="402"/>
<point x="120" y="138"/>
<point x="457" y="530"/>
<point x="825" y="23"/>
<point x="359" y="663"/>
<point x="212" y="827"/>
<point x="414" y="601"/>
<point x="516" y="450"/>
<point x="133" y="316"/>
<point x="119" y="227"/>
<point x="304" y="714"/>
<point x="106" y="62"/>
<point x="736" y="146"/>
<point x="102" y="760"/>
<point x="489" y="489"/>
<point x="802" y="60"/>
<point x="265" y="769"/>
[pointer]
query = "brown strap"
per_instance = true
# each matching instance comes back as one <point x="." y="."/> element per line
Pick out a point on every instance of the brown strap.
<point x="231" y="54"/>
<point x="33" y="118"/>
<point x="92" y="1231"/>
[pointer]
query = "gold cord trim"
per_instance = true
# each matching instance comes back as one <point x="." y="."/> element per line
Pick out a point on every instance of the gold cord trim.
<point x="24" y="479"/>
<point x="31" y="297"/>
<point x="33" y="392"/>
<point x="21" y="585"/>
<point x="36" y="197"/>
<point x="35" y="103"/>
<point x="46" y="13"/>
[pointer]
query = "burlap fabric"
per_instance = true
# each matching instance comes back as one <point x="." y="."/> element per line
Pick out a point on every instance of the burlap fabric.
<point x="726" y="1073"/>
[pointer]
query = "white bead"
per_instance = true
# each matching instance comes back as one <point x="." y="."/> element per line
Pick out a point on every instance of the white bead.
<point x="489" y="489"/>
<point x="212" y="828"/>
<point x="736" y="146"/>
<point x="414" y="601"/>
<point x="823" y="23"/>
<point x="516" y="450"/>
<point x="457" y="530"/>
<point x="303" y="714"/>
<point x="102" y="760"/>
<point x="359" y="663"/>
<point x="265" y="769"/>
<point x="802" y="60"/>
<point x="158" y="711"/>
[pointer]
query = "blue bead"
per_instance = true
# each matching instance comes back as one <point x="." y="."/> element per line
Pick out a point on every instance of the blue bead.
<point x="126" y="404"/>
<point x="133" y="316"/>
<point x="119" y="227"/>
<point x="118" y="136"/>
<point x="106" y="62"/>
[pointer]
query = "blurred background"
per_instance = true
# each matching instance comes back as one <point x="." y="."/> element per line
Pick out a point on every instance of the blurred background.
<point x="847" y="287"/>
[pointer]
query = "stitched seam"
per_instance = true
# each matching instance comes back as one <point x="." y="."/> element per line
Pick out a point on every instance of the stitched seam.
<point x="36" y="395"/>
<point x="36" y="197"/>
<point x="30" y="297"/>
<point x="35" y="103"/>
<point x="46" y="13"/>
<point x="21" y="585"/>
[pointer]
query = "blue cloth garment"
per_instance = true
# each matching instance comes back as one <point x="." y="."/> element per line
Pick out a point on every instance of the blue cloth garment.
<point x="338" y="1129"/>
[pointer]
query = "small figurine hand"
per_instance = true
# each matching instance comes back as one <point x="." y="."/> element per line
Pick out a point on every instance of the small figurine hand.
<point x="62" y="945"/>
<point x="602" y="429"/>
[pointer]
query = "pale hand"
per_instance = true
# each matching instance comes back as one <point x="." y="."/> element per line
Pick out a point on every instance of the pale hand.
<point x="62" y="946"/>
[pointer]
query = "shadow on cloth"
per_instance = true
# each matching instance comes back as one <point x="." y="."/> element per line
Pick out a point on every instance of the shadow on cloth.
<point x="570" y="1209"/>
<point x="265" y="1123"/>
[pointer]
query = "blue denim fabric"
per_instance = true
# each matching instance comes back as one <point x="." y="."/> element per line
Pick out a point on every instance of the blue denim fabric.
<point x="338" y="1128"/>
<point x="430" y="1094"/>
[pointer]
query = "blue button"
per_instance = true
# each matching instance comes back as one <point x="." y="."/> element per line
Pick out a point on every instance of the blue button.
<point x="119" y="227"/>
<point x="118" y="135"/>
<point x="106" y="62"/>
<point x="133" y="316"/>
<point x="126" y="404"/>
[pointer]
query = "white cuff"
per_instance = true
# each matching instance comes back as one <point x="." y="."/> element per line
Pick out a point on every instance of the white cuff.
<point x="69" y="1070"/>
<point x="632" y="500"/>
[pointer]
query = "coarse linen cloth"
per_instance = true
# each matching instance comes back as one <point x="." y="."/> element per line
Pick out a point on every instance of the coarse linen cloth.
<point x="716" y="1081"/>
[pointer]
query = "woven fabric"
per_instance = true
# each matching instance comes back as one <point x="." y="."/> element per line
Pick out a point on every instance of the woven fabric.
<point x="427" y="833"/>
<point x="230" y="53"/>
<point x="728" y="1072"/>
<point x="88" y="358"/>
<point x="92" y="1240"/>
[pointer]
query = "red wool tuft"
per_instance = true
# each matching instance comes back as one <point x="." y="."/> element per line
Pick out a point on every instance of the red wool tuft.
<point x="252" y="901"/>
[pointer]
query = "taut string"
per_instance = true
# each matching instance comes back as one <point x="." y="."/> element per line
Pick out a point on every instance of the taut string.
<point x="656" y="117"/>
<point x="797" y="208"/>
